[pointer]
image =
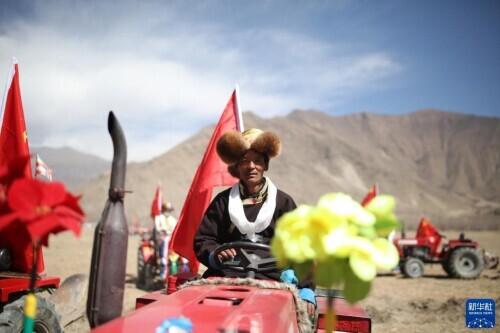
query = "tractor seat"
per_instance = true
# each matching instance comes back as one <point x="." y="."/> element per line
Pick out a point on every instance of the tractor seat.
<point x="463" y="239"/>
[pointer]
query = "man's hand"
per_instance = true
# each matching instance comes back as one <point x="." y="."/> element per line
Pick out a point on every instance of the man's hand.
<point x="226" y="255"/>
<point x="311" y="309"/>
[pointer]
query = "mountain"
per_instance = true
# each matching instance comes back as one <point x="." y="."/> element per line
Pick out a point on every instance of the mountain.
<point x="70" y="166"/>
<point x="442" y="165"/>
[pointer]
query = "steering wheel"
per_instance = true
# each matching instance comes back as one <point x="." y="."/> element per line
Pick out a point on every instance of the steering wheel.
<point x="246" y="261"/>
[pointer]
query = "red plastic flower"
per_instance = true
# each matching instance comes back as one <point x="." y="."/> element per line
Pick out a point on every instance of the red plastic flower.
<point x="44" y="208"/>
<point x="10" y="171"/>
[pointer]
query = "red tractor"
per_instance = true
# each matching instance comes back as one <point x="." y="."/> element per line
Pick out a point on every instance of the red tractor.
<point x="153" y="264"/>
<point x="16" y="256"/>
<point x="236" y="304"/>
<point x="147" y="264"/>
<point x="460" y="258"/>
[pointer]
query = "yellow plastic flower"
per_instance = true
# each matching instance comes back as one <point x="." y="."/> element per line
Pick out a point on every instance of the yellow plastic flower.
<point x="343" y="205"/>
<point x="340" y="236"/>
<point x="291" y="240"/>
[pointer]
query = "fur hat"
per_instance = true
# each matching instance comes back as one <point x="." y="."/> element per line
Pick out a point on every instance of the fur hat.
<point x="232" y="145"/>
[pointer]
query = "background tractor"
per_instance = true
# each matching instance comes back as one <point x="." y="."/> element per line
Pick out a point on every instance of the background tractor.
<point x="153" y="265"/>
<point x="460" y="258"/>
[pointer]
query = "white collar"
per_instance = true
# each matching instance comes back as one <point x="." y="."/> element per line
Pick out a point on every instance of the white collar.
<point x="238" y="217"/>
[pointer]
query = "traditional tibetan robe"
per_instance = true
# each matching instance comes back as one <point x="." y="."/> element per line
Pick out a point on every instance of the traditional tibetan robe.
<point x="221" y="224"/>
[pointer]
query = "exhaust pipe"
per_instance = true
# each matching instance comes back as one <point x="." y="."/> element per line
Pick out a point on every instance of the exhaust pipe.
<point x="109" y="252"/>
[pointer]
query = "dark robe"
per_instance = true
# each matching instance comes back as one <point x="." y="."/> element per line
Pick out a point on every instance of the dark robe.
<point x="216" y="229"/>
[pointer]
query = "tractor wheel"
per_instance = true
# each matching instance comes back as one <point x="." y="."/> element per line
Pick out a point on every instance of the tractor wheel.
<point x="446" y="267"/>
<point x="46" y="321"/>
<point x="139" y="283"/>
<point x="149" y="277"/>
<point x="413" y="268"/>
<point x="146" y="273"/>
<point x="466" y="263"/>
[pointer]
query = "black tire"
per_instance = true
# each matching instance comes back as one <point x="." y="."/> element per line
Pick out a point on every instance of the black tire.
<point x="446" y="267"/>
<point x="46" y="321"/>
<point x="149" y="277"/>
<point x="146" y="273"/>
<point x="413" y="268"/>
<point x="139" y="283"/>
<point x="466" y="263"/>
<point x="446" y="264"/>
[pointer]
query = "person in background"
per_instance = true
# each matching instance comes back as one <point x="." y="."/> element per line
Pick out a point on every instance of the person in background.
<point x="163" y="251"/>
<point x="169" y="221"/>
<point x="164" y="227"/>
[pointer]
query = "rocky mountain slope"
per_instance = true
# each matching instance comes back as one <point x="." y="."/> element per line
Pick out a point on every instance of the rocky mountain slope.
<point x="442" y="165"/>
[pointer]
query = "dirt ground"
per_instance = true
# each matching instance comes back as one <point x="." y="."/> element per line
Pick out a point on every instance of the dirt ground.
<point x="433" y="303"/>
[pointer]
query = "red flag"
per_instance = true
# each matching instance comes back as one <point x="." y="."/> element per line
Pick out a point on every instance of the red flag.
<point x="211" y="172"/>
<point x="426" y="229"/>
<point x="42" y="169"/>
<point x="14" y="147"/>
<point x="13" y="136"/>
<point x="157" y="201"/>
<point x="372" y="193"/>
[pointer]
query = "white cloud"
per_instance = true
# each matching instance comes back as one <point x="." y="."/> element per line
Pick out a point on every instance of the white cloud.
<point x="158" y="65"/>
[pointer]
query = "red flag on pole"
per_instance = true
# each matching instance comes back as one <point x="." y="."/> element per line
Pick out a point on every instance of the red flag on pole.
<point x="211" y="172"/>
<point x="13" y="136"/>
<point x="426" y="229"/>
<point x="157" y="202"/>
<point x="372" y="193"/>
<point x="42" y="169"/>
<point x="13" y="148"/>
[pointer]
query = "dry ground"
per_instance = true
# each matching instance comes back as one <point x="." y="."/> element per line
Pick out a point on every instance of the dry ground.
<point x="430" y="304"/>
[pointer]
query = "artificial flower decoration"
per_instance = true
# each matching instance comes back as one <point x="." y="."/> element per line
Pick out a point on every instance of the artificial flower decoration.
<point x="44" y="208"/>
<point x="11" y="170"/>
<point x="341" y="242"/>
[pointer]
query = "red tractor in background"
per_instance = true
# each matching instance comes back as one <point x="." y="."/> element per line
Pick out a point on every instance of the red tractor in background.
<point x="460" y="258"/>
<point x="16" y="256"/>
<point x="153" y="265"/>
<point x="147" y="264"/>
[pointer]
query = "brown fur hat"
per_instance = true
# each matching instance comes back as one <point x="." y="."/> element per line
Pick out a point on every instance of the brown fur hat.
<point x="232" y="145"/>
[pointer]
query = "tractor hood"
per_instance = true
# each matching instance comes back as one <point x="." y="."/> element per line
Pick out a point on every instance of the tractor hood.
<point x="212" y="308"/>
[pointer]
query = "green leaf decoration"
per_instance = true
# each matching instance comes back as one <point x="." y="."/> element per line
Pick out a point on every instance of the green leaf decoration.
<point x="385" y="225"/>
<point x="303" y="270"/>
<point x="330" y="272"/>
<point x="367" y="232"/>
<point x="355" y="289"/>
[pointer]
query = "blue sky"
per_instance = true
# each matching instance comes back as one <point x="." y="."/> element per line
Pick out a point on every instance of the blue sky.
<point x="167" y="68"/>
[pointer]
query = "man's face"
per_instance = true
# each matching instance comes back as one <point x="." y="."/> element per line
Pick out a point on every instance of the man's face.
<point x="251" y="168"/>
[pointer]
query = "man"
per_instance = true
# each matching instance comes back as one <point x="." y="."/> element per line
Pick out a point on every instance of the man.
<point x="248" y="210"/>
<point x="170" y="220"/>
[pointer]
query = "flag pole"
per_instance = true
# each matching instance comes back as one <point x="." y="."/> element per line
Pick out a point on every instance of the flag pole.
<point x="239" y="115"/>
<point x="12" y="71"/>
<point x="30" y="302"/>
